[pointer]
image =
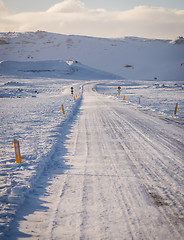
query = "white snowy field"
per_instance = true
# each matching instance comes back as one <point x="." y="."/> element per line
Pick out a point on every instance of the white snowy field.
<point x="110" y="168"/>
<point x="156" y="97"/>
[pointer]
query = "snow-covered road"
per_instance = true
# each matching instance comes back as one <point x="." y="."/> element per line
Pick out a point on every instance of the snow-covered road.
<point x="117" y="173"/>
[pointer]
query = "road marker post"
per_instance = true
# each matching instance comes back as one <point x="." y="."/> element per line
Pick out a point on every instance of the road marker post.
<point x="72" y="91"/>
<point x="17" y="151"/>
<point x="124" y="97"/>
<point x="119" y="90"/>
<point x="176" y="108"/>
<point x="62" y="108"/>
<point x="139" y="100"/>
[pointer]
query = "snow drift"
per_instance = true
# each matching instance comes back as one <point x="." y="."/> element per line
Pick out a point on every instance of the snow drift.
<point x="53" y="69"/>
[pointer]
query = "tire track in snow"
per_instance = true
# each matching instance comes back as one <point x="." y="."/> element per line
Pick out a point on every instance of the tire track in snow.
<point x="101" y="197"/>
<point x="164" y="138"/>
<point x="118" y="127"/>
<point x="154" y="151"/>
<point x="118" y="199"/>
<point x="128" y="198"/>
<point x="68" y="222"/>
<point x="106" y="214"/>
<point x="164" y="160"/>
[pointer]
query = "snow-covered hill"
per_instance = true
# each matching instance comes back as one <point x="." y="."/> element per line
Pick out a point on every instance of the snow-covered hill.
<point x="130" y="57"/>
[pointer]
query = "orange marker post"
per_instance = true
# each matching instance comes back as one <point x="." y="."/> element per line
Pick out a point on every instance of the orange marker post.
<point x="176" y="108"/>
<point x="139" y="100"/>
<point x="17" y="151"/>
<point x="62" y="108"/>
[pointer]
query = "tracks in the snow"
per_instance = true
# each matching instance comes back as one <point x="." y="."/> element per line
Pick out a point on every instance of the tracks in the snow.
<point x="154" y="160"/>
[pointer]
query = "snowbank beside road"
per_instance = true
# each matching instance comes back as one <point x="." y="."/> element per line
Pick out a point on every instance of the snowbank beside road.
<point x="30" y="112"/>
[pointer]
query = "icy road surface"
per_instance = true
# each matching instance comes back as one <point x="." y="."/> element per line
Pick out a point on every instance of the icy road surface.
<point x="117" y="173"/>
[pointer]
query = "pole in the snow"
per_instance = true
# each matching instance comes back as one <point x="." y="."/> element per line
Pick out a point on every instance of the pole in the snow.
<point x="124" y="97"/>
<point x="139" y="100"/>
<point x="17" y="151"/>
<point x="62" y="108"/>
<point x="176" y="108"/>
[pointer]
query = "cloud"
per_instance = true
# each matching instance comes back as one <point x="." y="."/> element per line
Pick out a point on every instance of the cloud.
<point x="3" y="10"/>
<point x="67" y="6"/>
<point x="73" y="17"/>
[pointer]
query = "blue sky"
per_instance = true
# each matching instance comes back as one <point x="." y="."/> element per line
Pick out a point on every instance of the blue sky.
<point x="162" y="19"/>
<point x="42" y="5"/>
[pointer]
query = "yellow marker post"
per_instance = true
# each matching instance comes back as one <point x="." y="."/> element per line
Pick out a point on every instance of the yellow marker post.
<point x="176" y="108"/>
<point x="17" y="151"/>
<point x="139" y="100"/>
<point x="74" y="98"/>
<point x="62" y="108"/>
<point x="124" y="97"/>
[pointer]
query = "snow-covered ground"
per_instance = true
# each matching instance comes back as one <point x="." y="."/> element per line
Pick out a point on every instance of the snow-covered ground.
<point x="156" y="97"/>
<point x="115" y="173"/>
<point x="80" y="169"/>
<point x="30" y="112"/>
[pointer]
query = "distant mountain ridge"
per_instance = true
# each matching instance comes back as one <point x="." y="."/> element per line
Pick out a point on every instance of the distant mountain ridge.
<point x="149" y="58"/>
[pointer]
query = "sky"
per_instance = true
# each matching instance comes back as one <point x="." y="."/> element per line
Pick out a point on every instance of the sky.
<point x="162" y="19"/>
<point x="42" y="5"/>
